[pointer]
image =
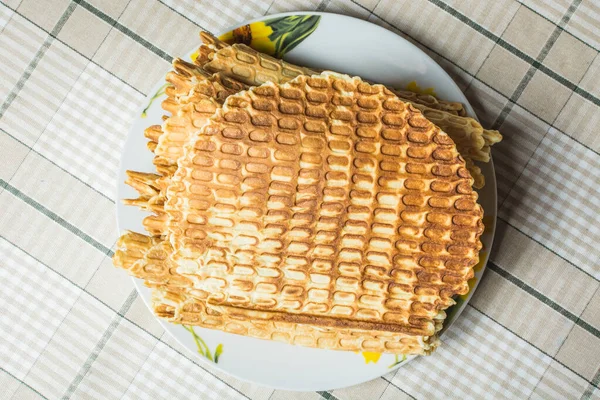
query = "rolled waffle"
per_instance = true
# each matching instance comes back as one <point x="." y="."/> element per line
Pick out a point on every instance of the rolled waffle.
<point x="283" y="211"/>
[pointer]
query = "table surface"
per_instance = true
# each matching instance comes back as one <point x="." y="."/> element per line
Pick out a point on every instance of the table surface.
<point x="72" y="74"/>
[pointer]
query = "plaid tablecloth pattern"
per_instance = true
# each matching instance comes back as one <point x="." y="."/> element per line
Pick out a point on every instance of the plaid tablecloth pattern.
<point x="72" y="73"/>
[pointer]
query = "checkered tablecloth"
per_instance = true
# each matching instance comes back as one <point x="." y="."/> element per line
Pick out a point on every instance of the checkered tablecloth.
<point x="72" y="73"/>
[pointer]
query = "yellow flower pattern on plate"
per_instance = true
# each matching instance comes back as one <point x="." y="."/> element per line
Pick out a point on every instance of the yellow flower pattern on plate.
<point x="413" y="87"/>
<point x="371" y="356"/>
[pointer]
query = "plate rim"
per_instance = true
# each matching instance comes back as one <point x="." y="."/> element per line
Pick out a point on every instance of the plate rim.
<point x="138" y="283"/>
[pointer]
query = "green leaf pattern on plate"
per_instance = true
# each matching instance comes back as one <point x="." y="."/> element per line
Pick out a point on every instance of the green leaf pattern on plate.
<point x="159" y="92"/>
<point x="203" y="348"/>
<point x="276" y="36"/>
<point x="398" y="360"/>
<point x="289" y="32"/>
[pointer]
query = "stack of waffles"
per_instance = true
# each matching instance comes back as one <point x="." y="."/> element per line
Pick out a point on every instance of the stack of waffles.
<point x="306" y="207"/>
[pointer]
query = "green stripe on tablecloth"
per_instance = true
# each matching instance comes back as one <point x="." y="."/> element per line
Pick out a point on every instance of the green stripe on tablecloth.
<point x="547" y="248"/>
<point x="12" y="95"/>
<point x="84" y="369"/>
<point x="56" y="165"/>
<point x="536" y="66"/>
<point x="79" y="53"/>
<point x="592" y="386"/>
<point x="398" y="387"/>
<point x="327" y="395"/>
<point x="322" y="5"/>
<point x="182" y="14"/>
<point x="123" y="29"/>
<point x="533" y="10"/>
<point x="543" y="298"/>
<point x="532" y="345"/>
<point x="55" y="217"/>
<point x="122" y="315"/>
<point x="23" y="383"/>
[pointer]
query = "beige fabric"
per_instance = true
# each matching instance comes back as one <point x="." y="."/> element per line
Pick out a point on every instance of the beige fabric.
<point x="72" y="326"/>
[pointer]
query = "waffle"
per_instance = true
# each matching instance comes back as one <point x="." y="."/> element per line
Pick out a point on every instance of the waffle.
<point x="250" y="67"/>
<point x="197" y="95"/>
<point x="187" y="84"/>
<point x="451" y="107"/>
<point x="197" y="92"/>
<point x="210" y="45"/>
<point x="255" y="68"/>
<point x="472" y="141"/>
<point x="178" y="308"/>
<point x="184" y="296"/>
<point x="148" y="258"/>
<point x="258" y="219"/>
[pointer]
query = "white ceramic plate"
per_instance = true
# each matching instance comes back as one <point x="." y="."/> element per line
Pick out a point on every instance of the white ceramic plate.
<point x="326" y="41"/>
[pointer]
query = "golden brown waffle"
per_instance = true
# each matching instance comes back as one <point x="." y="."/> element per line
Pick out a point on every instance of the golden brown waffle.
<point x="475" y="171"/>
<point x="148" y="186"/>
<point x="187" y="310"/>
<point x="202" y="107"/>
<point x="215" y="57"/>
<point x="252" y="68"/>
<point x="192" y="91"/>
<point x="148" y="258"/>
<point x="451" y="107"/>
<point x="210" y="45"/>
<point x="152" y="189"/>
<point x="472" y="141"/>
<point x="195" y="94"/>
<point x="259" y="220"/>
<point x="163" y="165"/>
<point x="152" y="133"/>
<point x="174" y="295"/>
<point x="187" y="84"/>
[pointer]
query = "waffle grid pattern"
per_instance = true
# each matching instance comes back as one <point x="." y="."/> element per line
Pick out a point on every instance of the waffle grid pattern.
<point x="207" y="200"/>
